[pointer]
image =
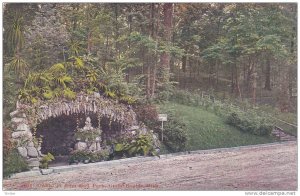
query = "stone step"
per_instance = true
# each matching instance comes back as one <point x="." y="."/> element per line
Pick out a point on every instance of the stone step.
<point x="283" y="136"/>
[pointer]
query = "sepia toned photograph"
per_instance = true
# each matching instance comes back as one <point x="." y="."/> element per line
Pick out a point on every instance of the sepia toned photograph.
<point x="154" y="96"/>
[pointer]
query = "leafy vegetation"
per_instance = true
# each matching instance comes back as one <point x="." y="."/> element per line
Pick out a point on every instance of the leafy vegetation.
<point x="88" y="136"/>
<point x="147" y="113"/>
<point x="45" y="160"/>
<point x="256" y="120"/>
<point x="140" y="145"/>
<point x="250" y="123"/>
<point x="58" y="81"/>
<point x="140" y="54"/>
<point x="175" y="133"/>
<point x="205" y="130"/>
<point x="78" y="156"/>
<point x="14" y="163"/>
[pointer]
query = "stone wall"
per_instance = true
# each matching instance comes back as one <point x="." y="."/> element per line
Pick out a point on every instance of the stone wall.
<point x="27" y="117"/>
<point x="22" y="135"/>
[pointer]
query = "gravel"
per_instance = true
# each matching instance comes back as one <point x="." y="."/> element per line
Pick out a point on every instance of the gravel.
<point x="265" y="167"/>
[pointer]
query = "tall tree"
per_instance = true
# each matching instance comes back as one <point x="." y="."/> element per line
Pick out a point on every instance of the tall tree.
<point x="167" y="33"/>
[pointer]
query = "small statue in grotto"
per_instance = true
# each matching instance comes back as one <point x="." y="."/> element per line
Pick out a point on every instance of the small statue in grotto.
<point x="88" y="137"/>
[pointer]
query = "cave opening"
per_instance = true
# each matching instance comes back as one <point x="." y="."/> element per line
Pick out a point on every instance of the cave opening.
<point x="58" y="133"/>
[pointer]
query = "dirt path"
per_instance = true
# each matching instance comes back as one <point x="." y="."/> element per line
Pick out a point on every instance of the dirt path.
<point x="272" y="167"/>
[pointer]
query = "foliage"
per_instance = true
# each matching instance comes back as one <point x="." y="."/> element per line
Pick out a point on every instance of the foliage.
<point x="116" y="87"/>
<point x="13" y="162"/>
<point x="241" y="115"/>
<point x="147" y="114"/>
<point x="101" y="155"/>
<point x="48" y="84"/>
<point x="46" y="37"/>
<point x="186" y="97"/>
<point x="85" y="155"/>
<point x="58" y="81"/>
<point x="15" y="34"/>
<point x="206" y="130"/>
<point x="7" y="142"/>
<point x="89" y="135"/>
<point x="79" y="156"/>
<point x="18" y="65"/>
<point x="118" y="49"/>
<point x="141" y="145"/>
<point x="45" y="160"/>
<point x="137" y="145"/>
<point x="175" y="132"/>
<point x="165" y="91"/>
<point x="250" y="123"/>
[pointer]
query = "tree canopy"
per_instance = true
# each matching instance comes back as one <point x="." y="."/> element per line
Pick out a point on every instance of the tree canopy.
<point x="137" y="51"/>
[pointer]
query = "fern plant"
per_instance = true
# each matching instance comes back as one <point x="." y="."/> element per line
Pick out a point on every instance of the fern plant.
<point x="141" y="145"/>
<point x="18" y="65"/>
<point x="44" y="163"/>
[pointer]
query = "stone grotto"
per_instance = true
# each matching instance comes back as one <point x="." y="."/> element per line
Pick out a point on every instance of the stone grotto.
<point x="60" y="126"/>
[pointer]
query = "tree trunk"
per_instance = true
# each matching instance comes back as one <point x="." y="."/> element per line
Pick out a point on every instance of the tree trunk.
<point x="248" y="77"/>
<point x="237" y="81"/>
<point x="129" y="22"/>
<point x="116" y="31"/>
<point x="232" y="78"/>
<point x="148" y="87"/>
<point x="154" y="36"/>
<point x="89" y="42"/>
<point x="183" y="60"/>
<point x="191" y="66"/>
<point x="284" y="98"/>
<point x="130" y="26"/>
<point x="268" y="74"/>
<point x="165" y="57"/>
<point x="217" y="75"/>
<point x="253" y="83"/>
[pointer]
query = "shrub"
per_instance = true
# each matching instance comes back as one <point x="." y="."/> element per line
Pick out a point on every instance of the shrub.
<point x="13" y="163"/>
<point x="85" y="155"/>
<point x="175" y="133"/>
<point x="186" y="97"/>
<point x="248" y="122"/>
<point x="79" y="156"/>
<point x="7" y="142"/>
<point x="165" y="91"/>
<point x="86" y="135"/>
<point x="147" y="114"/>
<point x="241" y="114"/>
<point x="137" y="146"/>
<point x="45" y="160"/>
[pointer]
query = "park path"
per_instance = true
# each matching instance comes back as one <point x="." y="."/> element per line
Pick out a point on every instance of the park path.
<point x="261" y="167"/>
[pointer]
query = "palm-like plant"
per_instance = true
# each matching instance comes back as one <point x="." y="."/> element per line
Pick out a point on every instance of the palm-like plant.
<point x="75" y="48"/>
<point x="18" y="65"/>
<point x="15" y="34"/>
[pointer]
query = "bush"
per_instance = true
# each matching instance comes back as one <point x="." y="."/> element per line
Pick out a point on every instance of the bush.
<point x="45" y="160"/>
<point x="139" y="145"/>
<point x="186" y="98"/>
<point x="79" y="156"/>
<point x="242" y="115"/>
<point x="165" y="91"/>
<point x="7" y="143"/>
<point x="98" y="156"/>
<point x="84" y="155"/>
<point x="14" y="163"/>
<point x="175" y="133"/>
<point x="250" y="123"/>
<point x="147" y="114"/>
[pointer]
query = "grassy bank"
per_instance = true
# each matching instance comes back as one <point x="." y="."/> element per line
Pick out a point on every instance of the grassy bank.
<point x="207" y="131"/>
